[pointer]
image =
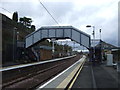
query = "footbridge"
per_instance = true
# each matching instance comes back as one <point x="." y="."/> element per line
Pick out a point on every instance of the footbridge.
<point x="58" y="32"/>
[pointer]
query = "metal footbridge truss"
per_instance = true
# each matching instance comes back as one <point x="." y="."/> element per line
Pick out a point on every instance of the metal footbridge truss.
<point x="58" y="32"/>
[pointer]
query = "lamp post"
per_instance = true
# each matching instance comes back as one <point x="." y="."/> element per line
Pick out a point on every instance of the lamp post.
<point x="100" y="34"/>
<point x="73" y="47"/>
<point x="93" y="40"/>
<point x="53" y="47"/>
<point x="14" y="43"/>
<point x="93" y="30"/>
<point x="100" y="47"/>
<point x="17" y="36"/>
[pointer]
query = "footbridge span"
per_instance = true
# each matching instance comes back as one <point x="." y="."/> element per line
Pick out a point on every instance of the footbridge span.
<point x="58" y="32"/>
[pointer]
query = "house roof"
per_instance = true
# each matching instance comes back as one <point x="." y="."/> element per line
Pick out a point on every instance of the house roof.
<point x="105" y="45"/>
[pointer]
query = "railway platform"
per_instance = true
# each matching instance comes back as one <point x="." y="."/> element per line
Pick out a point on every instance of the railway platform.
<point x="29" y="76"/>
<point x="65" y="78"/>
<point x="98" y="76"/>
<point x="85" y="75"/>
<point x="80" y="73"/>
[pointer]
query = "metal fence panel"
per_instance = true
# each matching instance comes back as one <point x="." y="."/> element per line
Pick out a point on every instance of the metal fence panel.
<point x="44" y="33"/>
<point x="85" y="40"/>
<point x="59" y="32"/>
<point x="67" y="33"/>
<point x="76" y="36"/>
<point x="51" y="33"/>
<point x="36" y="36"/>
<point x="29" y="41"/>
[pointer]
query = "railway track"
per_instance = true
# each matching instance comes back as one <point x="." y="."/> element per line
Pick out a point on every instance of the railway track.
<point x="37" y="75"/>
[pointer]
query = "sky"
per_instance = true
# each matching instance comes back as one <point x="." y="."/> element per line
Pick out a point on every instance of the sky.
<point x="103" y="14"/>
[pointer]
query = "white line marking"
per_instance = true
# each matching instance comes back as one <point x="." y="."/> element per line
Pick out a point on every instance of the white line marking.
<point x="25" y="65"/>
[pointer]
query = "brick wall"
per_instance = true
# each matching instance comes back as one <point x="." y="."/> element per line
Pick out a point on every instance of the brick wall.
<point x="45" y="54"/>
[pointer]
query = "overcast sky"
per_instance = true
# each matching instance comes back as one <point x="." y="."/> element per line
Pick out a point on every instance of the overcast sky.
<point x="103" y="14"/>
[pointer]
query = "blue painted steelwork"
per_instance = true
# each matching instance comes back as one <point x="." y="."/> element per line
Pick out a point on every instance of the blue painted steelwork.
<point x="58" y="32"/>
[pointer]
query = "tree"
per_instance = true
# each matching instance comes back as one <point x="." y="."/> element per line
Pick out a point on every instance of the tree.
<point x="33" y="27"/>
<point x="15" y="17"/>
<point x="26" y="21"/>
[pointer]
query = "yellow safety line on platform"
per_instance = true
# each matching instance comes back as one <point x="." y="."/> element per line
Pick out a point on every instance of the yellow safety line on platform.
<point x="66" y="81"/>
<point x="76" y="77"/>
